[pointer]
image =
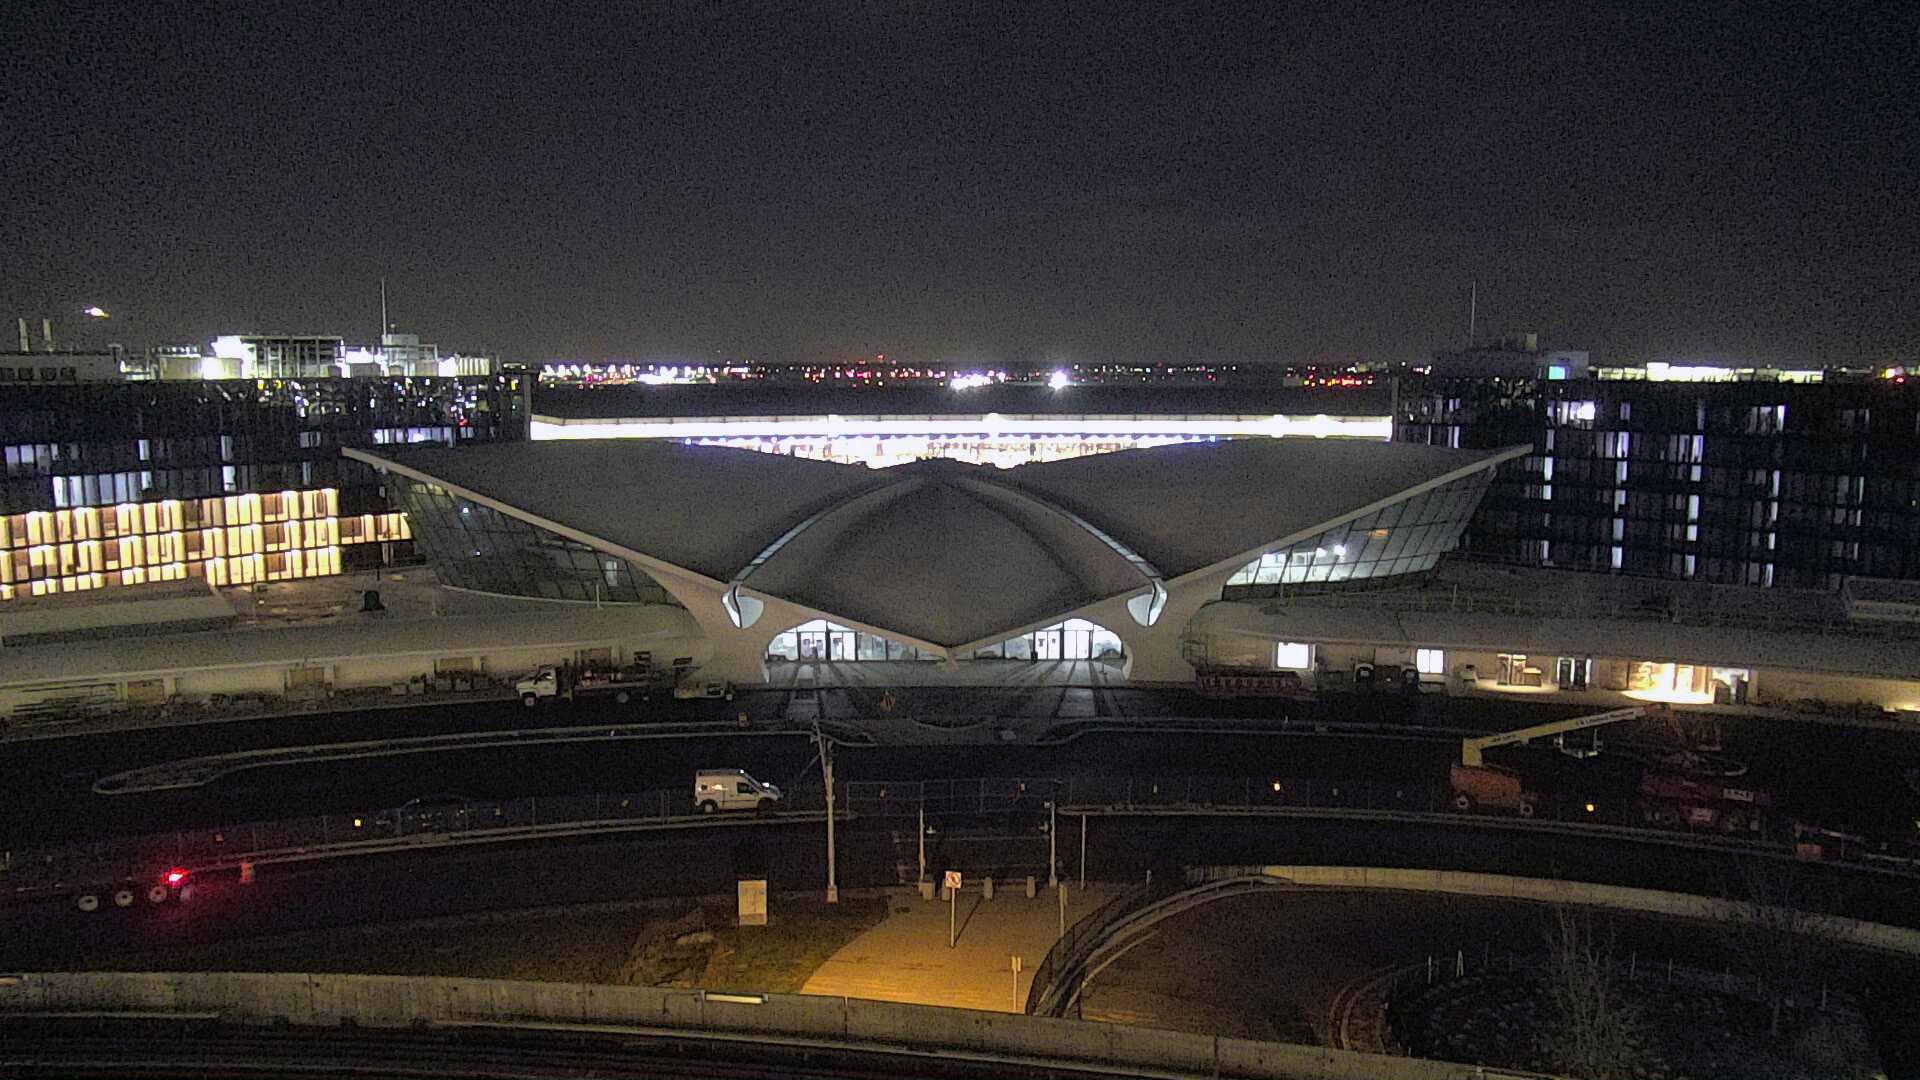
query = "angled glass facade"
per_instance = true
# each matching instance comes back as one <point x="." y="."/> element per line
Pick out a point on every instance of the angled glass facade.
<point x="1407" y="537"/>
<point x="476" y="547"/>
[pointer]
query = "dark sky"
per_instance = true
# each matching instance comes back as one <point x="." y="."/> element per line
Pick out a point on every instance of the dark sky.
<point x="948" y="180"/>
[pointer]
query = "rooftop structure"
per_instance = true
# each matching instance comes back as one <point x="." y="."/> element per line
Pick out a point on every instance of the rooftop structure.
<point x="1002" y="424"/>
<point x="947" y="558"/>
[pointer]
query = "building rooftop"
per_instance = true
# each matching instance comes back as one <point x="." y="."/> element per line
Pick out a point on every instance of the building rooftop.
<point x="919" y="399"/>
<point x="938" y="551"/>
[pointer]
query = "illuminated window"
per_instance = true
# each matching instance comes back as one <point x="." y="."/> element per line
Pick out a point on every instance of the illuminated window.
<point x="1293" y="655"/>
<point x="1430" y="661"/>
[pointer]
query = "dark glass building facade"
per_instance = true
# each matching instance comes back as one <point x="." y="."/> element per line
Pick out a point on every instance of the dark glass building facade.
<point x="1753" y="483"/>
<point x="473" y="546"/>
<point x="234" y="480"/>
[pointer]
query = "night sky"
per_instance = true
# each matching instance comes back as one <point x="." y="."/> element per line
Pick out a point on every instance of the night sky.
<point x="821" y="180"/>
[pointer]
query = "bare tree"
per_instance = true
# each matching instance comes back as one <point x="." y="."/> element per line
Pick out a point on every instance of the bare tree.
<point x="1778" y="926"/>
<point x="1594" y="1021"/>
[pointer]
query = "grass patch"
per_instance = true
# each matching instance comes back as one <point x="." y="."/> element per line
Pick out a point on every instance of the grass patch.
<point x="591" y="944"/>
<point x="780" y="957"/>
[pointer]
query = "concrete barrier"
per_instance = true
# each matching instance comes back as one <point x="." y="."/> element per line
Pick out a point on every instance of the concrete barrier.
<point x="1858" y="932"/>
<point x="379" y="1001"/>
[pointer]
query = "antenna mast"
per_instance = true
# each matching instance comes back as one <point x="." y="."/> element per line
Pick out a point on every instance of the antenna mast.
<point x="384" y="325"/>
<point x="1473" y="310"/>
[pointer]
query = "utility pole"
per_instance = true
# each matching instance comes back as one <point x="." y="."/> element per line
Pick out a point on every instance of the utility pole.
<point x="826" y="777"/>
<point x="1053" y="846"/>
<point x="1473" y="311"/>
<point x="1083" y="851"/>
<point x="923" y="835"/>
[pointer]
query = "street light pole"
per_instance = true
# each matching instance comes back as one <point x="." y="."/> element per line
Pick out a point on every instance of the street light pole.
<point x="923" y="838"/>
<point x="1053" y="846"/>
<point x="826" y="777"/>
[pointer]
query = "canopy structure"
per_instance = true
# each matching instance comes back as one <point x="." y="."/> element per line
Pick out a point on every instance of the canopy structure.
<point x="943" y="555"/>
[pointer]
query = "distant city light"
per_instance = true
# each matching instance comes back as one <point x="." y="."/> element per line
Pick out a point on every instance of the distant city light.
<point x="97" y="312"/>
<point x="970" y="381"/>
<point x="1059" y="380"/>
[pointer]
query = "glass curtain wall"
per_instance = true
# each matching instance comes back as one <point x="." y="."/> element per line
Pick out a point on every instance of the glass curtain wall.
<point x="823" y="640"/>
<point x="1075" y="639"/>
<point x="476" y="547"/>
<point x="1407" y="537"/>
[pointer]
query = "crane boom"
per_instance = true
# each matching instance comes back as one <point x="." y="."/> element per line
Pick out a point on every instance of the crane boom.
<point x="1470" y="748"/>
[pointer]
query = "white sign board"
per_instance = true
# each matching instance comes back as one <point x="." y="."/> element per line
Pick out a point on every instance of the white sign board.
<point x="952" y="881"/>
<point x="753" y="903"/>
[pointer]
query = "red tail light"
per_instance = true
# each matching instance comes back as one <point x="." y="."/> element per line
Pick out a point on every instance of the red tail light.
<point x="175" y="877"/>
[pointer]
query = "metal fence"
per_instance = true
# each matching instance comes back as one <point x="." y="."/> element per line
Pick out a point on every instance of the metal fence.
<point x="148" y="857"/>
<point x="1453" y="971"/>
<point x="987" y="795"/>
<point x="1253" y="795"/>
<point x="996" y="795"/>
<point x="1045" y="995"/>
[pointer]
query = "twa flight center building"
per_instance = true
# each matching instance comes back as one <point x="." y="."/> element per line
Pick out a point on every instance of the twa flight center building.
<point x="774" y="558"/>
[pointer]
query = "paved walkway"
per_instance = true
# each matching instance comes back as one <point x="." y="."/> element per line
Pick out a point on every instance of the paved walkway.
<point x="906" y="958"/>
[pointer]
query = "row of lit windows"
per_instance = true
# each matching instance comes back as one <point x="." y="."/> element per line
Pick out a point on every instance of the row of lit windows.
<point x="87" y="556"/>
<point x="238" y="570"/>
<point x="234" y="539"/>
<point x="169" y="515"/>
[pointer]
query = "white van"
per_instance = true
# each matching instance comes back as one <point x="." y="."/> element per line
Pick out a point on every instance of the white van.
<point x="715" y="790"/>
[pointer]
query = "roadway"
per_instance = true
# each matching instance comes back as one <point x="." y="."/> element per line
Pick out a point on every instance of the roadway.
<point x="1849" y="776"/>
<point x="429" y="882"/>
<point x="1276" y="965"/>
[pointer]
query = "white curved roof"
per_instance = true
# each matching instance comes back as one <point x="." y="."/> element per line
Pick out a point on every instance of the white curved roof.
<point x="940" y="551"/>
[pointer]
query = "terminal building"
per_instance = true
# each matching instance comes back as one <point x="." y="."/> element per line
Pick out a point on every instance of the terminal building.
<point x="1150" y="535"/>
<point x="954" y="562"/>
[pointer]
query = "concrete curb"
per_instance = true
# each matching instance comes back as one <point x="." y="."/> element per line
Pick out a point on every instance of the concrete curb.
<point x="374" y="1002"/>
<point x="1898" y="940"/>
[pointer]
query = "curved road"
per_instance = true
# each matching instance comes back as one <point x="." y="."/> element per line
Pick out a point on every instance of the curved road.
<point x="1273" y="965"/>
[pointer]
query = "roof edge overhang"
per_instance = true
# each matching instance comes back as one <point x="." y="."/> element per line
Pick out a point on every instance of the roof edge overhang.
<point x="646" y="562"/>
<point x="1494" y="459"/>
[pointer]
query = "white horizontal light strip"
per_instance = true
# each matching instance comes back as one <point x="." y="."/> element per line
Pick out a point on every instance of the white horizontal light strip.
<point x="990" y="425"/>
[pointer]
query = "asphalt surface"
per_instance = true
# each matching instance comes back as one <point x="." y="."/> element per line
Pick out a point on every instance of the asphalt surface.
<point x="1271" y="965"/>
<point x="432" y="881"/>
<point x="1843" y="777"/>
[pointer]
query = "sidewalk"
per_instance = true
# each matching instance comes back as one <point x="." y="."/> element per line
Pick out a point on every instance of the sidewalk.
<point x="906" y="959"/>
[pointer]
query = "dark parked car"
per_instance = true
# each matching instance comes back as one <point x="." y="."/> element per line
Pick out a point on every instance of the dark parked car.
<point x="434" y="814"/>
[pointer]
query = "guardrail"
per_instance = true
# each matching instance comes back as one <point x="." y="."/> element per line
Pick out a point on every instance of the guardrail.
<point x="200" y="771"/>
<point x="148" y="858"/>
<point x="827" y="1023"/>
